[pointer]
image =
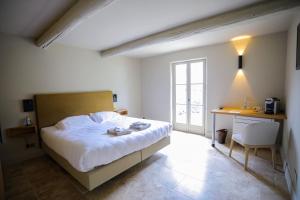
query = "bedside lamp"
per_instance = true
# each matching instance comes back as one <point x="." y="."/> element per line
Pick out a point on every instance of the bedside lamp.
<point x="28" y="107"/>
<point x="115" y="100"/>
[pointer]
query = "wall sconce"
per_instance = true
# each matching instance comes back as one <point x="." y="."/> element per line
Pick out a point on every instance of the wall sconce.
<point x="240" y="66"/>
<point x="240" y="43"/>
<point x="115" y="98"/>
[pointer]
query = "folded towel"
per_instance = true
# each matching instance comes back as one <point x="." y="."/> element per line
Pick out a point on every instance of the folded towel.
<point x="118" y="131"/>
<point x="139" y="126"/>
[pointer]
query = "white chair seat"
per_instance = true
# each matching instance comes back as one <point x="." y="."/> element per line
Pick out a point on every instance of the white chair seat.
<point x="257" y="135"/>
<point x="237" y="137"/>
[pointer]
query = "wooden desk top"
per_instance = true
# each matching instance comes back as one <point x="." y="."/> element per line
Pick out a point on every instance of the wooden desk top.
<point x="248" y="113"/>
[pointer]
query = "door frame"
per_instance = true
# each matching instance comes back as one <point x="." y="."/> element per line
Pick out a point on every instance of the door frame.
<point x="182" y="127"/>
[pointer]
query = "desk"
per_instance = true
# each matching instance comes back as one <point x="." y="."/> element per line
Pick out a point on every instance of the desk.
<point x="241" y="112"/>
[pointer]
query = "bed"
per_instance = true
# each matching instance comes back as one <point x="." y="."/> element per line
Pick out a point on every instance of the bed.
<point x="79" y="153"/>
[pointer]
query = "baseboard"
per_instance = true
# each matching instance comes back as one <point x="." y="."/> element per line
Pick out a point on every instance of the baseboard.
<point x="288" y="178"/>
<point x="287" y="174"/>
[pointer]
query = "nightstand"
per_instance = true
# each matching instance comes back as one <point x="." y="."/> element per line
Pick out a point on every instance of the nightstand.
<point x="24" y="132"/>
<point x="2" y="196"/>
<point x="21" y="131"/>
<point x="122" y="111"/>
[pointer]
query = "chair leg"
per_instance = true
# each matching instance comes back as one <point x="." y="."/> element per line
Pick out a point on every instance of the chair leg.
<point x="255" y="151"/>
<point x="231" y="147"/>
<point x="246" y="157"/>
<point x="273" y="157"/>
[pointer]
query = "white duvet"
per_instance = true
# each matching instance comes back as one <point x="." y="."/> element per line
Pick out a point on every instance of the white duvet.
<point x="89" y="147"/>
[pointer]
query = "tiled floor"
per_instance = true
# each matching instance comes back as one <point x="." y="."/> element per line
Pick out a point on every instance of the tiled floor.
<point x="187" y="169"/>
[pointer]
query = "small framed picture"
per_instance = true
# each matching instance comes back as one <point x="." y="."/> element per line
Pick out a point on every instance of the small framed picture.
<point x="298" y="48"/>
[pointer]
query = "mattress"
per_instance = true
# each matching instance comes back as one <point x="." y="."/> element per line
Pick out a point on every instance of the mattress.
<point x="89" y="147"/>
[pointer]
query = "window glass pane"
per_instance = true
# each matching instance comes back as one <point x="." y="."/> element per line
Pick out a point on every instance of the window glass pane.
<point x="180" y="94"/>
<point x="181" y="114"/>
<point x="180" y="74"/>
<point x="197" y="94"/>
<point x="197" y="115"/>
<point x="197" y="72"/>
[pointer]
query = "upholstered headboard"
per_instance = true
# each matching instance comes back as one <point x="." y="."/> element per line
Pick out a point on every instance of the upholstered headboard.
<point x="51" y="108"/>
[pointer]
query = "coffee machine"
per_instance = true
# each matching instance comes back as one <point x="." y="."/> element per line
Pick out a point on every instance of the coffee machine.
<point x="272" y="105"/>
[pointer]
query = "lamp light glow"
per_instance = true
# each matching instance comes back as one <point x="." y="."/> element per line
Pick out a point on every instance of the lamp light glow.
<point x="241" y="37"/>
<point x="240" y="43"/>
<point x="240" y="74"/>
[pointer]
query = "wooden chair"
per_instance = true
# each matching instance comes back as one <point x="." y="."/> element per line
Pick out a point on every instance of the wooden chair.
<point x="257" y="135"/>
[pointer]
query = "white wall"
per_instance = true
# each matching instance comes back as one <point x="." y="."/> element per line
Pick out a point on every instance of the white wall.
<point x="26" y="70"/>
<point x="291" y="137"/>
<point x="264" y="70"/>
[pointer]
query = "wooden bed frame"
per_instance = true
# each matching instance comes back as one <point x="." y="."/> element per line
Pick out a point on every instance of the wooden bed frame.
<point x="51" y="108"/>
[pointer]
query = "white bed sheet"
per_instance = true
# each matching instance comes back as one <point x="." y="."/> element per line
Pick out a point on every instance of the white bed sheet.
<point x="89" y="147"/>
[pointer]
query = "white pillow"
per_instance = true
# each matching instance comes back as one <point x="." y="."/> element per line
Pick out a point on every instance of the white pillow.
<point x="100" y="117"/>
<point x="75" y="122"/>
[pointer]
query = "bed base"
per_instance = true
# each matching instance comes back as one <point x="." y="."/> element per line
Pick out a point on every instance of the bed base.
<point x="100" y="175"/>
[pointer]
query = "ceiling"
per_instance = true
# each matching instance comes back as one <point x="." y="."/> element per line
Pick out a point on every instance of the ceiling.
<point x="29" y="18"/>
<point x="259" y="26"/>
<point x="126" y="20"/>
